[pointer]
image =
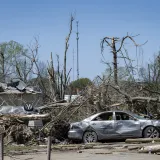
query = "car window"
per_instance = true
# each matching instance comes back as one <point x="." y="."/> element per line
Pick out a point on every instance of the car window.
<point x="139" y="117"/>
<point x="104" y="117"/>
<point x="123" y="116"/>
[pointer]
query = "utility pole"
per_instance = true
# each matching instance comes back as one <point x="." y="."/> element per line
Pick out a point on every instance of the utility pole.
<point x="73" y="64"/>
<point x="77" y="52"/>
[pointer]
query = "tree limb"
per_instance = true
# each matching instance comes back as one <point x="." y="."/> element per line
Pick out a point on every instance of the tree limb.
<point x="131" y="38"/>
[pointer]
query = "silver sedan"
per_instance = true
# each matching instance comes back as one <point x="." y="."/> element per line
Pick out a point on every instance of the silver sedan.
<point x="114" y="125"/>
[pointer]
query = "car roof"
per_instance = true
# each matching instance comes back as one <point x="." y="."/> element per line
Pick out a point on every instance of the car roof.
<point x="93" y="116"/>
<point x="114" y="111"/>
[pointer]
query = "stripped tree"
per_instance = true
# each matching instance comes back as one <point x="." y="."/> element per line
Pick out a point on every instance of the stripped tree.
<point x="65" y="75"/>
<point x="113" y="45"/>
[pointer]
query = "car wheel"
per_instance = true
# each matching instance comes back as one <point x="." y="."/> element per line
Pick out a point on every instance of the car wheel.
<point x="151" y="132"/>
<point x="90" y="137"/>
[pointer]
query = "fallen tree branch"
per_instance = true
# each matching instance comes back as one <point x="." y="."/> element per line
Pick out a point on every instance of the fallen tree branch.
<point x="117" y="88"/>
<point x="133" y="99"/>
<point x="25" y="117"/>
<point x="151" y="91"/>
<point x="150" y="149"/>
<point x="142" y="140"/>
<point x="57" y="105"/>
<point x="148" y="99"/>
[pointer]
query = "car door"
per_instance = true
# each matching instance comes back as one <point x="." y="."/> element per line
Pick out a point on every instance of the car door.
<point x="126" y="125"/>
<point x="103" y="124"/>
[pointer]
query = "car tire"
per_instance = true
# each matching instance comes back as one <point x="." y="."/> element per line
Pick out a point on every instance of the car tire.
<point x="151" y="132"/>
<point x="90" y="137"/>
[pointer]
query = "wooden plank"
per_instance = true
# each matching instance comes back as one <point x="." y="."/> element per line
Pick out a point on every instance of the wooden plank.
<point x="1" y="141"/>
<point x="150" y="149"/>
<point x="142" y="140"/>
<point x="26" y="117"/>
<point x="49" y="148"/>
<point x="1" y="147"/>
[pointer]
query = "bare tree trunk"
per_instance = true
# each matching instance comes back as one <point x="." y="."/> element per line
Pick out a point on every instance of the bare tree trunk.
<point x="24" y="72"/>
<point x="3" y="67"/>
<point x="61" y="85"/>
<point x="65" y="55"/>
<point x="115" y="51"/>
<point x="115" y="61"/>
<point x="52" y="79"/>
<point x="34" y="51"/>
<point x="149" y="73"/>
<point x="58" y="78"/>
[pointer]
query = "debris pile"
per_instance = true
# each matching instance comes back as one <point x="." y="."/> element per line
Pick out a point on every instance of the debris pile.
<point x="57" y="115"/>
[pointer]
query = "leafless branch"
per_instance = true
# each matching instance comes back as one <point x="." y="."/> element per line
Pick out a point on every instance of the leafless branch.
<point x="131" y="38"/>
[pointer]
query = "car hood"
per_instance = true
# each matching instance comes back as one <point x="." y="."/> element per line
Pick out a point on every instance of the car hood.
<point x="82" y="124"/>
<point x="147" y="122"/>
<point x="156" y="122"/>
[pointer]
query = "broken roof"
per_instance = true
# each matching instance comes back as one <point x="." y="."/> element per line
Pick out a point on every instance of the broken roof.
<point x="16" y="87"/>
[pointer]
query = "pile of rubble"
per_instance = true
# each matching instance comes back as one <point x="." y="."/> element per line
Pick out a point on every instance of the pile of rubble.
<point x="56" y="116"/>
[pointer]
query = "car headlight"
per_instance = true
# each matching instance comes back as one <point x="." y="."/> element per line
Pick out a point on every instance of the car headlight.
<point x="74" y="127"/>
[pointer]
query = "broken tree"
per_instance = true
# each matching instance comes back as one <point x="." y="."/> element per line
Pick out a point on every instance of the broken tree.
<point x="115" y="51"/>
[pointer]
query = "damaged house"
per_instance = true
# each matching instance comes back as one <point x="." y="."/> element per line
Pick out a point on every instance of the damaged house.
<point x="17" y="93"/>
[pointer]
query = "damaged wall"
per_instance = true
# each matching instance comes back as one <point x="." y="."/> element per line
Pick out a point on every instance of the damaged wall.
<point x="17" y="94"/>
<point x="19" y="99"/>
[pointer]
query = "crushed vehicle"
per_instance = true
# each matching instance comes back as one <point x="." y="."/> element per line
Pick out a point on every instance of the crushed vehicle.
<point x="114" y="125"/>
<point x="18" y="110"/>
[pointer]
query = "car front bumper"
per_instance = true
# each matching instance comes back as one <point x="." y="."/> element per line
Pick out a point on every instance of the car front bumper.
<point x="75" y="134"/>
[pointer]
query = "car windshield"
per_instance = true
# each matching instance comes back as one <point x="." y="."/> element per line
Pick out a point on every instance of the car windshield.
<point x="90" y="118"/>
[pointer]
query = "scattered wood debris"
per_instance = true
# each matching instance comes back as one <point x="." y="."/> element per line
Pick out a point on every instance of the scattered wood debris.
<point x="142" y="140"/>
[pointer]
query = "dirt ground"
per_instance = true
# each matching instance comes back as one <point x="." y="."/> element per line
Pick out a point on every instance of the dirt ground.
<point x="98" y="154"/>
<point x="97" y="151"/>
